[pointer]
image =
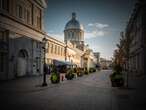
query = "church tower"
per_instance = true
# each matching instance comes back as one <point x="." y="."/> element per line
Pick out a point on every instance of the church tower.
<point x="74" y="33"/>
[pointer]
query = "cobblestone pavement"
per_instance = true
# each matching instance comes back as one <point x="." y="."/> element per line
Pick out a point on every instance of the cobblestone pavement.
<point x="90" y="92"/>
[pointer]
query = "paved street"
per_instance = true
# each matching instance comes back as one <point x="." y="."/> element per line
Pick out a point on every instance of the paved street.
<point x="90" y="92"/>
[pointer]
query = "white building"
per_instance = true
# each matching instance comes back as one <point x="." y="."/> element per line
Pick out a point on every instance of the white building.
<point x="55" y="50"/>
<point x="105" y="64"/>
<point x="74" y="32"/>
<point x="21" y="34"/>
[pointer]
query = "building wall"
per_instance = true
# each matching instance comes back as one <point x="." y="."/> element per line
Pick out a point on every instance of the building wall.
<point x="136" y="31"/>
<point x="89" y="60"/>
<point x="54" y="50"/>
<point x="21" y="21"/>
<point x="97" y="55"/>
<point x="3" y="54"/>
<point x="75" y="36"/>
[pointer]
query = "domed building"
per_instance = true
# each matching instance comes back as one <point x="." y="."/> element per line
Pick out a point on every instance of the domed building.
<point x="74" y="33"/>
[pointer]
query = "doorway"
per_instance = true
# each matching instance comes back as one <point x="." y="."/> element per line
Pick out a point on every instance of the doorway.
<point x="22" y="63"/>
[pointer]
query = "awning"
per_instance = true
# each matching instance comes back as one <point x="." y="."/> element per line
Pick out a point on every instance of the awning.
<point x="61" y="63"/>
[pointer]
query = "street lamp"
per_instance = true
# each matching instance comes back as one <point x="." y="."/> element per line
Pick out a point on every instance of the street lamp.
<point x="44" y="40"/>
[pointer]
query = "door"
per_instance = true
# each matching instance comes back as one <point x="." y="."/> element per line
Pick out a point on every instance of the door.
<point x="21" y="67"/>
<point x="22" y="63"/>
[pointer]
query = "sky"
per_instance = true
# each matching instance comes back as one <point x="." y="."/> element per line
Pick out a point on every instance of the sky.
<point x="103" y="20"/>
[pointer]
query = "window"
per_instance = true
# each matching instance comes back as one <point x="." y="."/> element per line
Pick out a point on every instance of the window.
<point x="58" y="50"/>
<point x="38" y="19"/>
<point x="38" y="22"/>
<point x="1" y="3"/>
<point x="19" y="11"/>
<point x="5" y="4"/>
<point x="48" y="48"/>
<point x="52" y="48"/>
<point x="55" y="49"/>
<point x="3" y="36"/>
<point x="61" y="51"/>
<point x="28" y="16"/>
<point x="37" y="45"/>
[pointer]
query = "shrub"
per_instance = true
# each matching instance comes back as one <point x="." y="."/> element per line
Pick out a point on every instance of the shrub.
<point x="74" y="70"/>
<point x="117" y="79"/>
<point x="115" y="76"/>
<point x="53" y="68"/>
<point x="117" y="68"/>
<point x="91" y="70"/>
<point x="69" y="74"/>
<point x="80" y="71"/>
<point x="86" y="71"/>
<point x="55" y="78"/>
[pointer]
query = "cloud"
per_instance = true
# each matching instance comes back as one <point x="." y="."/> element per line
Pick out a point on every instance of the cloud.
<point x="93" y="34"/>
<point x="98" y="25"/>
<point x="98" y="30"/>
<point x="90" y="24"/>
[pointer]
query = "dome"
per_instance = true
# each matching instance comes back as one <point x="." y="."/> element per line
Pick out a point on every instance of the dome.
<point x="73" y="23"/>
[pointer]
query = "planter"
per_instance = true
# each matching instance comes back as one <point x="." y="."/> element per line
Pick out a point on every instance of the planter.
<point x="69" y="76"/>
<point x="92" y="70"/>
<point x="86" y="73"/>
<point x="117" y="80"/>
<point x="117" y="83"/>
<point x="55" y="78"/>
<point x="79" y="74"/>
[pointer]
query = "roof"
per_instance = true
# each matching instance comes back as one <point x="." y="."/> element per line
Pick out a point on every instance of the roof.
<point x="73" y="23"/>
<point x="61" y="63"/>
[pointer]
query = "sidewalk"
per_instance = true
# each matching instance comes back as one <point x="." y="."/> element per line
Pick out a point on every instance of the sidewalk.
<point x="133" y="97"/>
<point x="26" y="84"/>
<point x="29" y="84"/>
<point x="139" y="94"/>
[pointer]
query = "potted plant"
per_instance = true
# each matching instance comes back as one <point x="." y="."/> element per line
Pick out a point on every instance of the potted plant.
<point x="69" y="75"/>
<point x="80" y="72"/>
<point x="116" y="77"/>
<point x="86" y="71"/>
<point x="55" y="77"/>
<point x="117" y="80"/>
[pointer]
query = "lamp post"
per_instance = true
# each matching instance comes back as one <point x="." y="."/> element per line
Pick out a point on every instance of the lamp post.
<point x="65" y="50"/>
<point x="44" y="40"/>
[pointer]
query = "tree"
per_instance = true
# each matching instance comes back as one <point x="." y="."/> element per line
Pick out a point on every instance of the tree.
<point x="122" y="53"/>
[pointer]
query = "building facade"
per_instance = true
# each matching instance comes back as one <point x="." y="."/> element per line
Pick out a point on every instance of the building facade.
<point x="136" y="31"/>
<point x="55" y="50"/>
<point x="89" y="59"/>
<point x="97" y="55"/>
<point x="21" y="34"/>
<point x="74" y="33"/>
<point x="105" y="64"/>
<point x="74" y="38"/>
<point x="74" y="55"/>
